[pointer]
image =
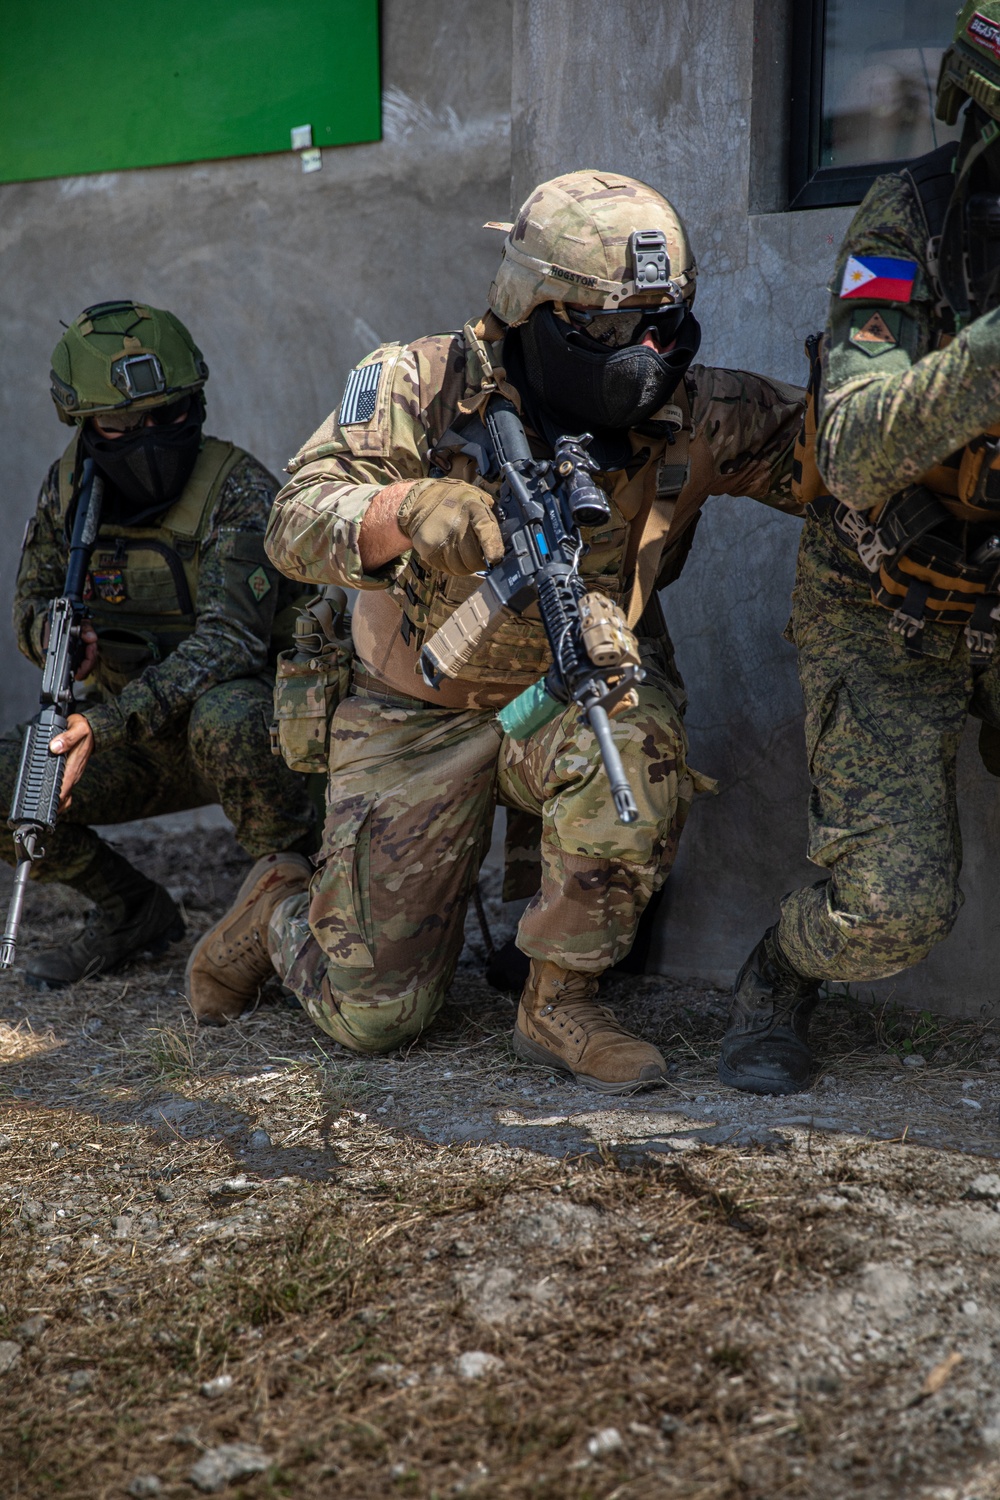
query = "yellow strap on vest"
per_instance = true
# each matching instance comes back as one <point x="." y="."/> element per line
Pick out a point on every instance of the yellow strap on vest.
<point x="656" y="519"/>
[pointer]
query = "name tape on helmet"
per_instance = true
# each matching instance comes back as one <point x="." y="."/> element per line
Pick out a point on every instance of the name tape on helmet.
<point x="985" y="32"/>
<point x="360" y="395"/>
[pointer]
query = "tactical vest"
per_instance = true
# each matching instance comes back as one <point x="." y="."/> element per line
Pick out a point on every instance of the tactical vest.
<point x="143" y="580"/>
<point x="517" y="652"/>
<point x="922" y="566"/>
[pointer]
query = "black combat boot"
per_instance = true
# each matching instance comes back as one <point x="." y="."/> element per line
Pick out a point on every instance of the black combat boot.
<point x="131" y="915"/>
<point x="765" y="1050"/>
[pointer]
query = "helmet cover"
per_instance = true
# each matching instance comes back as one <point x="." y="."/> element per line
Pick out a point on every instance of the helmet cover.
<point x="123" y="355"/>
<point x="970" y="68"/>
<point x="582" y="237"/>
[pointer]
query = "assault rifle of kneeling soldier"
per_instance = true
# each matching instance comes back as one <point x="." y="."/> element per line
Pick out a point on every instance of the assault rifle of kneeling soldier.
<point x="589" y="330"/>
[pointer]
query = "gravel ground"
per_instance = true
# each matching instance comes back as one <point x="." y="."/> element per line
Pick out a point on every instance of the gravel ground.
<point x="245" y="1261"/>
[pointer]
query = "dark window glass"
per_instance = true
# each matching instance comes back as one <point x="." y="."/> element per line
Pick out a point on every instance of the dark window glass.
<point x="865" y="77"/>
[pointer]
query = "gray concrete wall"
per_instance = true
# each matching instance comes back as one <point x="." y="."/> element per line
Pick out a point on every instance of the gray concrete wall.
<point x="693" y="98"/>
<point x="285" y="279"/>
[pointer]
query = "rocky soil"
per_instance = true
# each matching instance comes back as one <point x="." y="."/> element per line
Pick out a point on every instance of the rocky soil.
<point x="245" y="1262"/>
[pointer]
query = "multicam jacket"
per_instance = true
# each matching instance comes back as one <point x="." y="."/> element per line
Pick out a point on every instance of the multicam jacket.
<point x="397" y="422"/>
<point x="179" y="605"/>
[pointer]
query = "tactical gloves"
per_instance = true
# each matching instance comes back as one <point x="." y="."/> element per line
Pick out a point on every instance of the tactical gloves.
<point x="451" y="525"/>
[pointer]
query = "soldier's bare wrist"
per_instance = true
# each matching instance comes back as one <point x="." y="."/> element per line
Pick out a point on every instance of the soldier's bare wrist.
<point x="380" y="539"/>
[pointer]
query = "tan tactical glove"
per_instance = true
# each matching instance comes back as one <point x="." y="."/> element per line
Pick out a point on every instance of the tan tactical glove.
<point x="451" y="525"/>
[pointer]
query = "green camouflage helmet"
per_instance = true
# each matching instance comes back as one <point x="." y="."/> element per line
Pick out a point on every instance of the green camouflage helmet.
<point x="970" y="69"/>
<point x="595" y="238"/>
<point x="119" y="355"/>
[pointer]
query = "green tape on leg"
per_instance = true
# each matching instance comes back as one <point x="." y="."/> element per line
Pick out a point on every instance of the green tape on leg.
<point x="529" y="711"/>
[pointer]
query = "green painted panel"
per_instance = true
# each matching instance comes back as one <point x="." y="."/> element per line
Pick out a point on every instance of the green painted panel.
<point x="99" y="86"/>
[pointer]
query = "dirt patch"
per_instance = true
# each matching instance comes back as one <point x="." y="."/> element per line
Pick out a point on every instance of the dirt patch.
<point x="250" y="1257"/>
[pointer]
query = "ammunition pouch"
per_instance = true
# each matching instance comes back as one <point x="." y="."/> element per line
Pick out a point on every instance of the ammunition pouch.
<point x="310" y="680"/>
<point x="920" y="572"/>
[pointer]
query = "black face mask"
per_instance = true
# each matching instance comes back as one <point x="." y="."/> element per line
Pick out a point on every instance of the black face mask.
<point x="148" y="468"/>
<point x="587" y="385"/>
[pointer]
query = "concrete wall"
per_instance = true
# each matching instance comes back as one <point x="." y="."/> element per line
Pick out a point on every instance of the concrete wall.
<point x="288" y="279"/>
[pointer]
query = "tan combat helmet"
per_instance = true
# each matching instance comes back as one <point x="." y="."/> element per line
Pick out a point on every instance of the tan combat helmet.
<point x="595" y="238"/>
<point x="970" y="69"/>
<point x="119" y="355"/>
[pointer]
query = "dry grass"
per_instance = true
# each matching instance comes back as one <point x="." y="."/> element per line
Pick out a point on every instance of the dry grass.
<point x="754" y="1323"/>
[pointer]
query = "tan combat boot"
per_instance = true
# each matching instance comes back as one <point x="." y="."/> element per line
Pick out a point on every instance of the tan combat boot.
<point x="560" y="1025"/>
<point x="230" y="963"/>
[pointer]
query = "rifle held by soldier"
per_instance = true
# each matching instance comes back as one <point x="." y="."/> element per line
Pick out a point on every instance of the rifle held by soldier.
<point x="35" y="802"/>
<point x="541" y="507"/>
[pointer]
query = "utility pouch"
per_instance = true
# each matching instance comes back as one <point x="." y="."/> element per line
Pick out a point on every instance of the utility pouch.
<point x="310" y="680"/>
<point x="979" y="472"/>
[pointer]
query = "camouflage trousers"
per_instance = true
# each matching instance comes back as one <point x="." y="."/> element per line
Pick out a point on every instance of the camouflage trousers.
<point x="882" y="735"/>
<point x="371" y="949"/>
<point x="219" y="752"/>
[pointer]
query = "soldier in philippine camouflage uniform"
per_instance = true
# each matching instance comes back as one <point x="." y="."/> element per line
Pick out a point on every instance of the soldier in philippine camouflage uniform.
<point x="182" y="601"/>
<point x="896" y="601"/>
<point x="389" y="498"/>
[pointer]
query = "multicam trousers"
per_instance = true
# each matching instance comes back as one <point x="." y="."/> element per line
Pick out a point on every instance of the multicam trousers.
<point x="882" y="735"/>
<point x="371" y="949"/>
<point x="219" y="752"/>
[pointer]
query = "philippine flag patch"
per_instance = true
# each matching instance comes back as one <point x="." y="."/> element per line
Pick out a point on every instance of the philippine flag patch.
<point x="879" y="277"/>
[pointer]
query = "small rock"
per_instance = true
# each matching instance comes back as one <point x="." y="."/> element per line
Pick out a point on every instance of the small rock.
<point x="608" y="1440"/>
<point x="970" y="1308"/>
<point x="230" y="1187"/>
<point x="144" y="1485"/>
<point x="915" y="1060"/>
<point x="217" y="1387"/>
<point x="165" y="1194"/>
<point x="462" y="1249"/>
<point x="5" y="1143"/>
<point x="670" y="1425"/>
<point x="477" y="1363"/>
<point x="259" y="1140"/>
<point x="220" y="1466"/>
<point x="10" y="1354"/>
<point x="121" y="1224"/>
<point x="32" y="1210"/>
<point x="80" y="1380"/>
<point x="31" y="1329"/>
<point x="986" y="1186"/>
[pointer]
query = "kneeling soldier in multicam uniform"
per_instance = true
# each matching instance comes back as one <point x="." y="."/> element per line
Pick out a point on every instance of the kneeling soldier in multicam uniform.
<point x="182" y="609"/>
<point x="897" y="594"/>
<point x="590" y="328"/>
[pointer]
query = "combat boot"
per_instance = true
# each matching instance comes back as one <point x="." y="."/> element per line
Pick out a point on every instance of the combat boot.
<point x="131" y="915"/>
<point x="230" y="964"/>
<point x="766" y="1049"/>
<point x="560" y="1026"/>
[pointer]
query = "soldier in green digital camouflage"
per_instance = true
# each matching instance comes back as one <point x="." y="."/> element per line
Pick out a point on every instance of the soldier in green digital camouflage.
<point x="898" y="590"/>
<point x="176" y="682"/>
<point x="589" y="328"/>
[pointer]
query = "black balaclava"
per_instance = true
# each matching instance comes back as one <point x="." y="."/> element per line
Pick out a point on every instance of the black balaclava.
<point x="970" y="239"/>
<point x="581" y="382"/>
<point x="148" y="467"/>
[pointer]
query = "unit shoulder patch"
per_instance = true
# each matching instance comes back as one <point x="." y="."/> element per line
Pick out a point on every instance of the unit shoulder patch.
<point x="876" y="333"/>
<point x="360" y="395"/>
<point x="259" y="584"/>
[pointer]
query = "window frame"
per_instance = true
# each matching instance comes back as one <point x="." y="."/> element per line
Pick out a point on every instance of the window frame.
<point x="810" y="186"/>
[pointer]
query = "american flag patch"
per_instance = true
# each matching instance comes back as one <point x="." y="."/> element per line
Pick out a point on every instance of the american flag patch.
<point x="360" y="395"/>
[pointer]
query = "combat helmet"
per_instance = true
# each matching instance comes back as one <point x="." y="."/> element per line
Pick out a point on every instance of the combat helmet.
<point x="595" y="238"/>
<point x="970" y="68"/>
<point x="119" y="355"/>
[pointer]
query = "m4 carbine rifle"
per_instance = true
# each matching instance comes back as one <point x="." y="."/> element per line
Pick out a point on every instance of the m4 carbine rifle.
<point x="37" y="790"/>
<point x="541" y="508"/>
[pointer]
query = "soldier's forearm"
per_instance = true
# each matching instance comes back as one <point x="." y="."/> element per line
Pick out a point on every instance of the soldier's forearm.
<point x="878" y="436"/>
<point x="380" y="539"/>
